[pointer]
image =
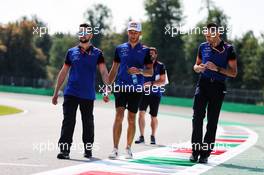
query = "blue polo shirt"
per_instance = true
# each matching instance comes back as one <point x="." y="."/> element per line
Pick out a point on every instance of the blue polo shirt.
<point x="82" y="75"/>
<point x="159" y="69"/>
<point x="219" y="55"/>
<point x="138" y="57"/>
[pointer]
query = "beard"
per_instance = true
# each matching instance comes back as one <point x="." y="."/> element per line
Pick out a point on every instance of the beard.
<point x="84" y="40"/>
<point x="153" y="58"/>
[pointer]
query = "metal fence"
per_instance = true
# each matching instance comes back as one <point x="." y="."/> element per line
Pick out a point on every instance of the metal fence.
<point x="25" y="82"/>
<point x="233" y="95"/>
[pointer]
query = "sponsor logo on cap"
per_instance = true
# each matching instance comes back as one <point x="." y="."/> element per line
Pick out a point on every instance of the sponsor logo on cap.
<point x="134" y="26"/>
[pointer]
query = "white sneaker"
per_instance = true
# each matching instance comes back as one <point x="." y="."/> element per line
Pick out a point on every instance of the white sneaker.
<point x="129" y="154"/>
<point x="114" y="154"/>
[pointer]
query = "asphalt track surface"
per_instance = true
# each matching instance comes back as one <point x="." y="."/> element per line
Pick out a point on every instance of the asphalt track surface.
<point x="28" y="142"/>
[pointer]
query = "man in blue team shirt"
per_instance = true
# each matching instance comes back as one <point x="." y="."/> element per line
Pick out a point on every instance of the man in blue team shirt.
<point x="132" y="61"/>
<point x="81" y="62"/>
<point x="154" y="86"/>
<point x="216" y="60"/>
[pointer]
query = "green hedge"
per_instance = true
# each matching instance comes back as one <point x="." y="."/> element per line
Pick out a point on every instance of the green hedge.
<point x="227" y="106"/>
<point x="26" y="90"/>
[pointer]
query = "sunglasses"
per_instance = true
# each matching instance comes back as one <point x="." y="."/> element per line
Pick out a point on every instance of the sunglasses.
<point x="82" y="34"/>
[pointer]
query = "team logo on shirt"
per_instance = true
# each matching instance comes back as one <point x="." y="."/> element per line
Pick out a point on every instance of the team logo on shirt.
<point x="124" y="52"/>
<point x="75" y="57"/>
<point x="207" y="51"/>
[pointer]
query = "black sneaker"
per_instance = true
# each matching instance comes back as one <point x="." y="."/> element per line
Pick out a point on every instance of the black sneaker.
<point x="193" y="158"/>
<point x="152" y="140"/>
<point x="88" y="154"/>
<point x="203" y="160"/>
<point x="140" y="140"/>
<point x="63" y="155"/>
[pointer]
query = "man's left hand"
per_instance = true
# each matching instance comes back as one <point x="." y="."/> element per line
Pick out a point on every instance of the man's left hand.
<point x="211" y="66"/>
<point x="147" y="84"/>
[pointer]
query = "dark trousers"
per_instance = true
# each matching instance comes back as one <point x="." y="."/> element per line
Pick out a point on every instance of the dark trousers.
<point x="209" y="94"/>
<point x="70" y="106"/>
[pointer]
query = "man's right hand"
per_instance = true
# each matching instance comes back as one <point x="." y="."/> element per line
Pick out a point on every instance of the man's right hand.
<point x="200" y="68"/>
<point x="55" y="99"/>
<point x="106" y="94"/>
<point x="106" y="99"/>
<point x="134" y="70"/>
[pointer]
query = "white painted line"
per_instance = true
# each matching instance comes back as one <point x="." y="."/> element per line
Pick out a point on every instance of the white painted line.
<point x="22" y="164"/>
<point x="123" y="166"/>
<point x="216" y="160"/>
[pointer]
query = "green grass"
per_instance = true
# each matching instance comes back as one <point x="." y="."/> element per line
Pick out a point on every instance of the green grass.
<point x="5" y="110"/>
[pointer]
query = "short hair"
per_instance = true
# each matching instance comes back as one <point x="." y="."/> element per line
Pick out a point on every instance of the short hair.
<point x="211" y="26"/>
<point x="154" y="49"/>
<point x="85" y="25"/>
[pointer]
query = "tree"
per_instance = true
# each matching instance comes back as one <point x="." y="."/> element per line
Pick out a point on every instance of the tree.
<point x="250" y="55"/>
<point x="61" y="43"/>
<point x="44" y="42"/>
<point x="21" y="57"/>
<point x="191" y="45"/>
<point x="108" y="45"/>
<point x="260" y="62"/>
<point x="99" y="16"/>
<point x="3" y="49"/>
<point x="164" y="14"/>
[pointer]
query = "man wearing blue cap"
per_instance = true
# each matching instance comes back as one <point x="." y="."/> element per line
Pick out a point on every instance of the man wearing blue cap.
<point x="81" y="62"/>
<point x="132" y="61"/>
